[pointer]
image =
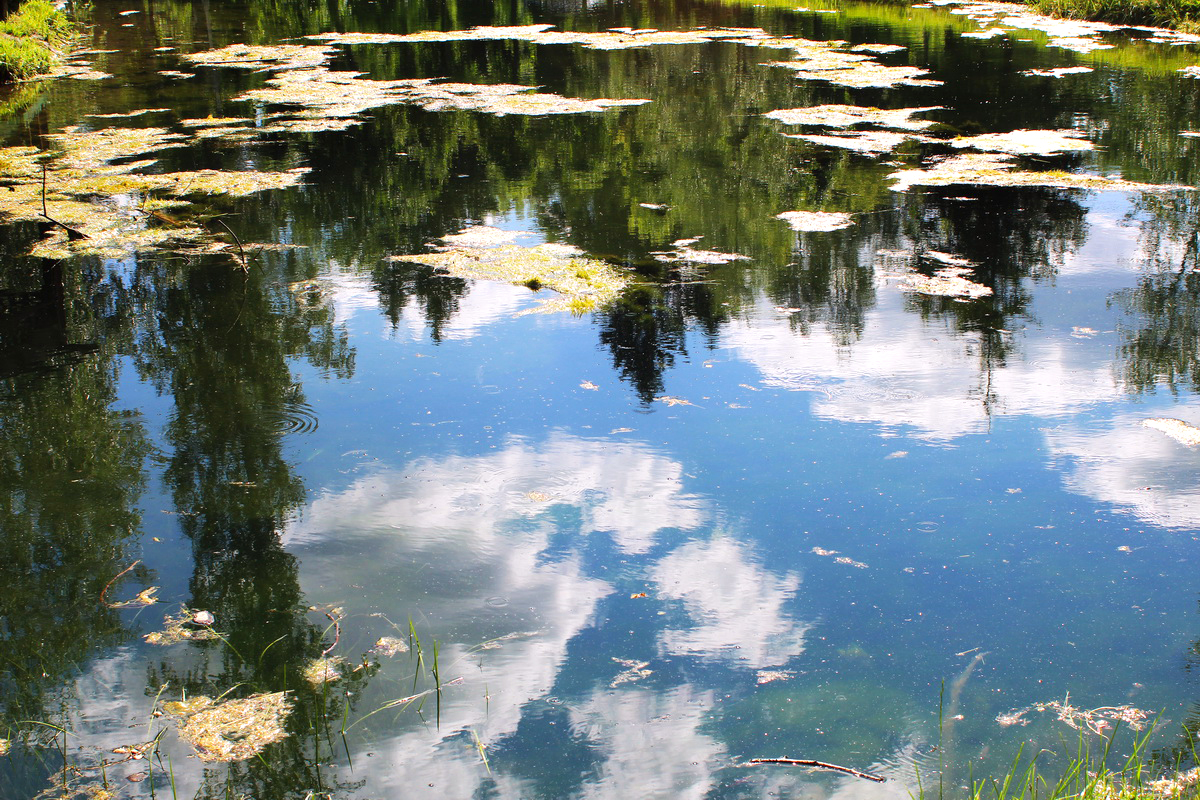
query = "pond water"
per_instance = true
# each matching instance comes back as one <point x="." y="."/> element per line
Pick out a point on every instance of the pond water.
<point x="879" y="493"/>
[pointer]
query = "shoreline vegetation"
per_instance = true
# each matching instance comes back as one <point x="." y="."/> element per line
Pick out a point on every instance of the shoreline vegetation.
<point x="33" y="41"/>
<point x="1182" y="15"/>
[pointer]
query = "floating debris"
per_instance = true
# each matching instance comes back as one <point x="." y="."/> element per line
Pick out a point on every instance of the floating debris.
<point x="839" y="559"/>
<point x="655" y="206"/>
<point x="1175" y="785"/>
<point x="683" y="252"/>
<point x="181" y="627"/>
<point x="816" y="221"/>
<point x="203" y="618"/>
<point x="498" y="642"/>
<point x="675" y="401"/>
<point x="764" y="676"/>
<point x="585" y="283"/>
<point x="988" y="33"/>
<point x="1096" y="720"/>
<point x="1026" y="143"/>
<point x="176" y="74"/>
<point x="1058" y="72"/>
<point x="634" y="671"/>
<point x="390" y="646"/>
<point x="589" y="386"/>
<point x="878" y="49"/>
<point x="844" y="116"/>
<point x="232" y="730"/>
<point x="538" y="497"/>
<point x="326" y="669"/>
<point x="999" y="169"/>
<point x="1177" y="429"/>
<point x="146" y="597"/>
<point x="5" y="746"/>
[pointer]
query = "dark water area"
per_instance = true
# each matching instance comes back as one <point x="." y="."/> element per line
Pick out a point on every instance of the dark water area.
<point x="776" y="506"/>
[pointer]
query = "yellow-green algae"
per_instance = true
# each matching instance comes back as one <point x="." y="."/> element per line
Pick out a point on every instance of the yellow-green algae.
<point x="88" y="184"/>
<point x="233" y="730"/>
<point x="1026" y="142"/>
<point x="344" y="95"/>
<point x="829" y="61"/>
<point x="584" y="283"/>
<point x="999" y="169"/>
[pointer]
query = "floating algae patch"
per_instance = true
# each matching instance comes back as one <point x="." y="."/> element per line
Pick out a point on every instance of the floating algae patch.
<point x="844" y="69"/>
<point x="234" y="184"/>
<point x="584" y="283"/>
<point x="181" y="627"/>
<point x="481" y="236"/>
<point x="1026" y="142"/>
<point x="844" y="116"/>
<point x="347" y="95"/>
<point x="865" y="142"/>
<point x="947" y="282"/>
<point x="613" y="39"/>
<point x="816" y="221"/>
<point x="130" y="114"/>
<point x="1058" y="72"/>
<point x="93" y="150"/>
<point x="999" y="169"/>
<point x="233" y="730"/>
<point x="211" y="122"/>
<point x="682" y="252"/>
<point x="326" y="669"/>
<point x="273" y="57"/>
<point x="1177" y="429"/>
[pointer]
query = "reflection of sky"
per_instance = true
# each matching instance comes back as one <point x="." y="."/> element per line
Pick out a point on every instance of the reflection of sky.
<point x="721" y="588"/>
<point x="906" y="372"/>
<point x="443" y="537"/>
<point x="1133" y="467"/>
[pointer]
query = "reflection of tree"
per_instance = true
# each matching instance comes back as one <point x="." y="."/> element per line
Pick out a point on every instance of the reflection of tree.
<point x="1160" y="339"/>
<point x="221" y="343"/>
<point x="70" y="475"/>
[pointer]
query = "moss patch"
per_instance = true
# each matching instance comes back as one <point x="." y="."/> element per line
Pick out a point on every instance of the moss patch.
<point x="33" y="41"/>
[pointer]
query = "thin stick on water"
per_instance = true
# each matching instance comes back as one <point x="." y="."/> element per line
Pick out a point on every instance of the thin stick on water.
<point x="807" y="762"/>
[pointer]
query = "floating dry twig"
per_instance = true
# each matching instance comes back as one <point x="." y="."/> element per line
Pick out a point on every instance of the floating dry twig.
<point x="805" y="762"/>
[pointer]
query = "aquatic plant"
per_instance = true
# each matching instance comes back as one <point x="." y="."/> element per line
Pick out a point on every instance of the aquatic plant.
<point x="231" y="730"/>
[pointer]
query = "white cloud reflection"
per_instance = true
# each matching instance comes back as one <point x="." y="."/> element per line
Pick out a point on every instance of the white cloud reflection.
<point x="721" y="588"/>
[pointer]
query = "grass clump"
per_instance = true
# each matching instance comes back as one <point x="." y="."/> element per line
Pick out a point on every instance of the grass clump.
<point x="32" y="40"/>
<point x="1181" y="14"/>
